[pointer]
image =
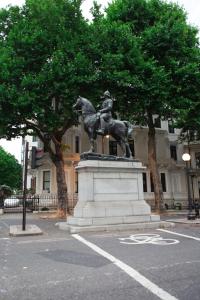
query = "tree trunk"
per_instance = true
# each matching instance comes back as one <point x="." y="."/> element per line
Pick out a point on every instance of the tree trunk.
<point x="61" y="182"/>
<point x="154" y="169"/>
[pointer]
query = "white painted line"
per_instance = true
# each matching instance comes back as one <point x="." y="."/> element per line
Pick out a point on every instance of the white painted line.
<point x="160" y="293"/>
<point x="43" y="241"/>
<point x="180" y="234"/>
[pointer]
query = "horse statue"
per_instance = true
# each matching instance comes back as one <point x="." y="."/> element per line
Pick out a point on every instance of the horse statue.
<point x="119" y="130"/>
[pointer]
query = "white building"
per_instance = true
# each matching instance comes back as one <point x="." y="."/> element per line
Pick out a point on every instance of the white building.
<point x="42" y="179"/>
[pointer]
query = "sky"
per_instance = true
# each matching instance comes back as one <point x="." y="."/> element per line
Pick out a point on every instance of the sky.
<point x="192" y="8"/>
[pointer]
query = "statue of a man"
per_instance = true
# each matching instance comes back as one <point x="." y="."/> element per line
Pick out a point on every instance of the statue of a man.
<point x="105" y="113"/>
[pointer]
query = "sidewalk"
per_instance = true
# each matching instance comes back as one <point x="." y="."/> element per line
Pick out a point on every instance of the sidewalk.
<point x="44" y="221"/>
<point x="178" y="216"/>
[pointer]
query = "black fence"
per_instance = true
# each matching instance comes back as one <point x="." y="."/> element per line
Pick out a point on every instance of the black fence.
<point x="42" y="202"/>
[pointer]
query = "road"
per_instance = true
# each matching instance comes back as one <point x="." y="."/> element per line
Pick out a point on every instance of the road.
<point x="146" y="265"/>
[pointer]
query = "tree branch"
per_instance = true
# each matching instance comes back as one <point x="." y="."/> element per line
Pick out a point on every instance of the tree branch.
<point x="40" y="134"/>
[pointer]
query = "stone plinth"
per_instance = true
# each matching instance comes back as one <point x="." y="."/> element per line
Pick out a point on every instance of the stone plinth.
<point x="110" y="193"/>
<point x="16" y="230"/>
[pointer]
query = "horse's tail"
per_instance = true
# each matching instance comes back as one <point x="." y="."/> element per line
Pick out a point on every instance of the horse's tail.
<point x="129" y="127"/>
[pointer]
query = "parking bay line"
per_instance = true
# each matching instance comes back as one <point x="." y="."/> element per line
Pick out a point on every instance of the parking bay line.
<point x="180" y="234"/>
<point x="152" y="287"/>
<point x="43" y="241"/>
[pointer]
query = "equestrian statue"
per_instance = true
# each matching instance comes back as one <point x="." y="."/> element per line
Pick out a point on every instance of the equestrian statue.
<point x="102" y="123"/>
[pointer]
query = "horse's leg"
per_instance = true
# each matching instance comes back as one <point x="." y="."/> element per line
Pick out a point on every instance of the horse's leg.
<point x="122" y="141"/>
<point x="91" y="145"/>
<point x="92" y="141"/>
<point x="128" y="151"/>
<point x="123" y="147"/>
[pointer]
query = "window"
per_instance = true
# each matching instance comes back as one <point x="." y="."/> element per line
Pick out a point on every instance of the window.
<point x="151" y="181"/>
<point x="170" y="127"/>
<point x="77" y="148"/>
<point x="144" y="177"/>
<point x="34" y="138"/>
<point x="132" y="147"/>
<point x="113" y="148"/>
<point x="76" y="182"/>
<point x="46" y="181"/>
<point x="197" y="158"/>
<point x="173" y="152"/>
<point x="157" y="122"/>
<point x="163" y="181"/>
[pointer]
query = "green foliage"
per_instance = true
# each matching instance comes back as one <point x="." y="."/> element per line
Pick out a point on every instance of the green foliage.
<point x="149" y="57"/>
<point x="11" y="171"/>
<point x="5" y="191"/>
<point x="43" y="66"/>
<point x="143" y="51"/>
<point x="96" y="11"/>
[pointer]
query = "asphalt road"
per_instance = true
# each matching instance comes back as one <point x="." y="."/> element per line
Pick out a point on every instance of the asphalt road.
<point x="146" y="265"/>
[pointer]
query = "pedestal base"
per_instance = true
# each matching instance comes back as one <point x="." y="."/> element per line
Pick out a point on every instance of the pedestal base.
<point x="110" y="194"/>
<point x="117" y="227"/>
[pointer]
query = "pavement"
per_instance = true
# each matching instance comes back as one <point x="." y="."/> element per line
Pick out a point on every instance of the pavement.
<point x="179" y="216"/>
<point x="44" y="223"/>
<point x="148" y="264"/>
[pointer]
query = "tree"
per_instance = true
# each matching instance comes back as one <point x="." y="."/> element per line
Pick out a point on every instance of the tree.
<point x="43" y="68"/>
<point x="154" y="71"/>
<point x="11" y="170"/>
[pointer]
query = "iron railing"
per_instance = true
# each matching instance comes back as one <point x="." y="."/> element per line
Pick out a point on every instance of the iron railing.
<point x="37" y="202"/>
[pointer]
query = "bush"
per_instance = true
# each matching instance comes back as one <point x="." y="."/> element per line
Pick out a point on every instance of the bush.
<point x="5" y="191"/>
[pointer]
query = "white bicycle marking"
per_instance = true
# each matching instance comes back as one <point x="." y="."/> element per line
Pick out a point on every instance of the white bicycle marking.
<point x="141" y="239"/>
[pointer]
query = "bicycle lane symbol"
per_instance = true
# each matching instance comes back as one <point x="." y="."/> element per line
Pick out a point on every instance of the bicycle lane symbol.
<point x="141" y="239"/>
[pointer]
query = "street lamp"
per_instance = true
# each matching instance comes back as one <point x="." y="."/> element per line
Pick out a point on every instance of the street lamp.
<point x="186" y="158"/>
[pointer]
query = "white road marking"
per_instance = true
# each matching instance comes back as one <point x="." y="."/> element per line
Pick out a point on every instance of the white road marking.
<point x="142" y="238"/>
<point x="152" y="287"/>
<point x="180" y="234"/>
<point x="43" y="241"/>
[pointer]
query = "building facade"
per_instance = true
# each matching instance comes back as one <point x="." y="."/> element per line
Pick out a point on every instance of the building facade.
<point x="42" y="178"/>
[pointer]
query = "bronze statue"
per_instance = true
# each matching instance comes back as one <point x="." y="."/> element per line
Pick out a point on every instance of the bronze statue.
<point x="119" y="130"/>
<point x="105" y="113"/>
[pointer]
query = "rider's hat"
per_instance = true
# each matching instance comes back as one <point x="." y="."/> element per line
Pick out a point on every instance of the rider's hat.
<point x="106" y="94"/>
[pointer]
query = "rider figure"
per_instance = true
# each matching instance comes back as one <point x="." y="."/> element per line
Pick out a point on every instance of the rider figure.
<point x="105" y="113"/>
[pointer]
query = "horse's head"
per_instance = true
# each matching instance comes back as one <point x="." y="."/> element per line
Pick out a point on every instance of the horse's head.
<point x="84" y="105"/>
<point x="78" y="104"/>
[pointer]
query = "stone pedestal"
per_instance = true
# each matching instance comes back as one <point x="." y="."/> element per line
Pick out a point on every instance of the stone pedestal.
<point x="110" y="194"/>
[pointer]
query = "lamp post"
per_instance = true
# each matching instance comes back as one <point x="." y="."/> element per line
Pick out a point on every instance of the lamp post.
<point x="25" y="187"/>
<point x="186" y="158"/>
